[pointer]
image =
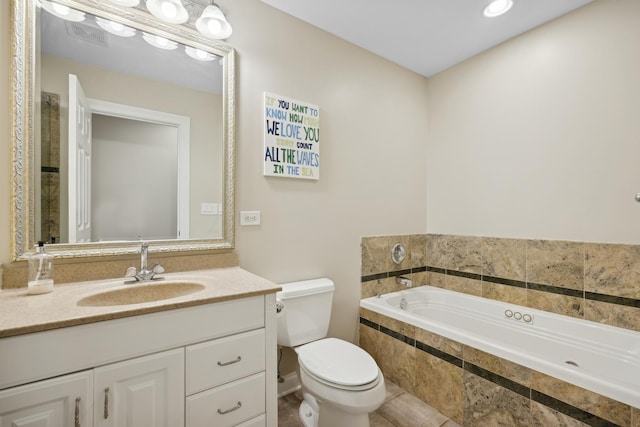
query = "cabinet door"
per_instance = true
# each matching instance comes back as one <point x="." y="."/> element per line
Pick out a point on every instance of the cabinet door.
<point x="147" y="391"/>
<point x="59" y="402"/>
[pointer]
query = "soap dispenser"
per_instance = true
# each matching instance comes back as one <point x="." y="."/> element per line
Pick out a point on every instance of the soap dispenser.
<point x="40" y="271"/>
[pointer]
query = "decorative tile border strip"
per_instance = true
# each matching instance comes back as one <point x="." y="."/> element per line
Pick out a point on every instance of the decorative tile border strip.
<point x="527" y="392"/>
<point x="593" y="296"/>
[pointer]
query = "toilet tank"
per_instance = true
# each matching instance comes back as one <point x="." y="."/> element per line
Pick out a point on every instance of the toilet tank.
<point x="306" y="310"/>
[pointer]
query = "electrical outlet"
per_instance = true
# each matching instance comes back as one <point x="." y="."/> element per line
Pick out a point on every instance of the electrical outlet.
<point x="249" y="217"/>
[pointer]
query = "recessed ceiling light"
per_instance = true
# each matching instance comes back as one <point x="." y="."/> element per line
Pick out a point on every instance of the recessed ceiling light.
<point x="497" y="8"/>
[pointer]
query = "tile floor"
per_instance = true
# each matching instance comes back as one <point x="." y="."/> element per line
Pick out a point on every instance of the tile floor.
<point x="400" y="409"/>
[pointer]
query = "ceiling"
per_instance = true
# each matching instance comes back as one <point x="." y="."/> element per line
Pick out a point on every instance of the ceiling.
<point x="425" y="36"/>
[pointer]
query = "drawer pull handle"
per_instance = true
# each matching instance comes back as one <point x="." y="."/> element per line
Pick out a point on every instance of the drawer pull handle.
<point x="76" y="415"/>
<point x="231" y="362"/>
<point x="235" y="408"/>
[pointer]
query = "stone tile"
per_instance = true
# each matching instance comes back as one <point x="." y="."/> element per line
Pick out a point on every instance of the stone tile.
<point x="288" y="411"/>
<point x="555" y="303"/>
<point x="451" y="423"/>
<point x="488" y="404"/>
<point x="439" y="383"/>
<point x="397" y="326"/>
<point x="420" y="279"/>
<point x="635" y="417"/>
<point x="464" y="285"/>
<point x="555" y="262"/>
<point x="497" y="365"/>
<point x="612" y="269"/>
<point x="407" y="410"/>
<point x="543" y="416"/>
<point x="505" y="258"/>
<point x="376" y="255"/>
<point x="418" y="245"/>
<point x="586" y="400"/>
<point x="504" y="293"/>
<point x="437" y="250"/>
<point x="377" y="420"/>
<point x="612" y="314"/>
<point x="370" y="315"/>
<point x="395" y="359"/>
<point x="379" y="286"/>
<point x="465" y="253"/>
<point x="444" y="344"/>
<point x="393" y="390"/>
<point x="437" y="280"/>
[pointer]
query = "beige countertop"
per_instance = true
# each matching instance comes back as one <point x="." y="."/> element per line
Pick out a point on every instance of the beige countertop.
<point x="21" y="313"/>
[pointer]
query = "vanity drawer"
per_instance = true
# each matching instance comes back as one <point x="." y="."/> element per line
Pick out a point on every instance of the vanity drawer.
<point x="220" y="361"/>
<point x="229" y="404"/>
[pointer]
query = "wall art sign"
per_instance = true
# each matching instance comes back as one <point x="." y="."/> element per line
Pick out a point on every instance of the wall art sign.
<point x="291" y="138"/>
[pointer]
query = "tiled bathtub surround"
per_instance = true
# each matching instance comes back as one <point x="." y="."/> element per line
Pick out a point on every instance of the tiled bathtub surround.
<point x="475" y="388"/>
<point x="598" y="282"/>
<point x="595" y="281"/>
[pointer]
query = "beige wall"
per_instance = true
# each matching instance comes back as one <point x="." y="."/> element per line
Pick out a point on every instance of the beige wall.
<point x="373" y="128"/>
<point x="540" y="137"/>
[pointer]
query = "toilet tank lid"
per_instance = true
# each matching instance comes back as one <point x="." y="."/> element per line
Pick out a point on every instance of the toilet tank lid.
<point x="305" y="287"/>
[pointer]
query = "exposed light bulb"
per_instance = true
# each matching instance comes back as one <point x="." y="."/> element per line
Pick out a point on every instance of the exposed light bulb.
<point x="214" y="26"/>
<point x="169" y="9"/>
<point x="212" y="23"/>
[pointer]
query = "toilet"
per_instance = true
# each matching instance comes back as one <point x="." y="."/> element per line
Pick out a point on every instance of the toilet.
<point x="341" y="383"/>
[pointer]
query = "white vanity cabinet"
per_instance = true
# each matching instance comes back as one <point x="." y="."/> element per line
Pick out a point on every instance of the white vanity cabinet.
<point x="59" y="402"/>
<point x="146" y="391"/>
<point x="211" y="364"/>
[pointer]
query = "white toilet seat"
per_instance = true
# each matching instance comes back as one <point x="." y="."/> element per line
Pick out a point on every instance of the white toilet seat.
<point x="340" y="364"/>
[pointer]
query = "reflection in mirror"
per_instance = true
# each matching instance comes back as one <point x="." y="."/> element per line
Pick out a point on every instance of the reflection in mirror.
<point x="132" y="133"/>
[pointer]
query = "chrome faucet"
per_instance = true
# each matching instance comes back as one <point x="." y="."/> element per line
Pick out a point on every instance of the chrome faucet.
<point x="401" y="280"/>
<point x="144" y="275"/>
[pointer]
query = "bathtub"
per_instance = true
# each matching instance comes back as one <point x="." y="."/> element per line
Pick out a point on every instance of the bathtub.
<point x="600" y="358"/>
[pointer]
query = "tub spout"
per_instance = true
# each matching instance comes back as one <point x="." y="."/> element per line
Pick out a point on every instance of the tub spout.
<point x="401" y="280"/>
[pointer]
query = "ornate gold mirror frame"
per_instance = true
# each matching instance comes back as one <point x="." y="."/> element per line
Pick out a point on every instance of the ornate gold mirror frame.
<point x="23" y="75"/>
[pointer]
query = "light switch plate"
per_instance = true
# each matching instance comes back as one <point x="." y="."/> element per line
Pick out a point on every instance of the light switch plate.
<point x="249" y="217"/>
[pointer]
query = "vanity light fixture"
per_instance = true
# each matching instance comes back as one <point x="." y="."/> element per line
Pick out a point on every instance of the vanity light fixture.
<point x="497" y="8"/>
<point x="199" y="54"/>
<point x="213" y="24"/>
<point x="170" y="11"/>
<point x="62" y="11"/>
<point x="159" y="42"/>
<point x="115" y="28"/>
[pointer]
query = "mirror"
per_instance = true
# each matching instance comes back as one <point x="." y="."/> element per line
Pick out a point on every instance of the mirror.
<point x="150" y="152"/>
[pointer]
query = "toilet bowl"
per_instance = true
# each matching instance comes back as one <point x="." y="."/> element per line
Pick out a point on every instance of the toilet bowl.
<point x="341" y="382"/>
